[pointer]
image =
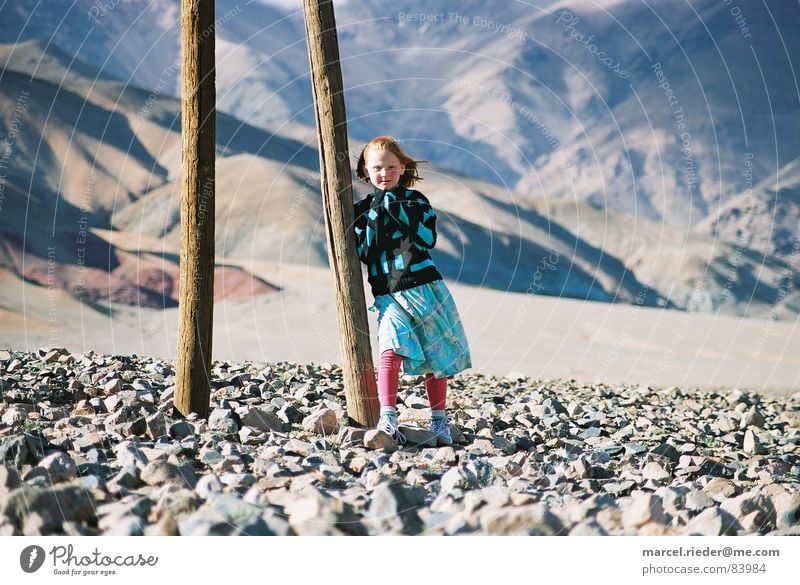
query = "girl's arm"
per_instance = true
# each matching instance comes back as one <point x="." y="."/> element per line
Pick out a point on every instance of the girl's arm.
<point x="414" y="216"/>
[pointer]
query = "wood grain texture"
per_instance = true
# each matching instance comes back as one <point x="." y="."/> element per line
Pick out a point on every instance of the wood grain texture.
<point x="198" y="118"/>
<point x="337" y="194"/>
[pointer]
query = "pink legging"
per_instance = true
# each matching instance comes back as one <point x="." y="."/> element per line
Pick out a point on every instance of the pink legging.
<point x="389" y="378"/>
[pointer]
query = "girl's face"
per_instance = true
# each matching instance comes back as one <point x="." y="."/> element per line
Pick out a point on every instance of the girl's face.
<point x="384" y="168"/>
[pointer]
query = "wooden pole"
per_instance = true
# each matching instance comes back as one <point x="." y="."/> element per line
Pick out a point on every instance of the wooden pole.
<point x="198" y="118"/>
<point x="337" y="199"/>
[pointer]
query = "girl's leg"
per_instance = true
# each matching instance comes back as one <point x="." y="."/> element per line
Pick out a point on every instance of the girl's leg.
<point x="437" y="396"/>
<point x="437" y="392"/>
<point x="388" y="379"/>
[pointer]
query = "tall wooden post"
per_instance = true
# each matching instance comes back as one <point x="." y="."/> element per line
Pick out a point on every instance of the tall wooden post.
<point x="196" y="304"/>
<point x="337" y="198"/>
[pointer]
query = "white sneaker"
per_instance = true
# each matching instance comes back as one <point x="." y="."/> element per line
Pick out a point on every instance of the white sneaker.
<point x="441" y="428"/>
<point x="388" y="424"/>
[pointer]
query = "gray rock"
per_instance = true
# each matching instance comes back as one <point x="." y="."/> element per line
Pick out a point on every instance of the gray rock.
<point x="787" y="509"/>
<point x="127" y="478"/>
<point x="323" y="421"/>
<point x="298" y="447"/>
<point x="54" y="505"/>
<point x="752" y="444"/>
<point x="419" y="437"/>
<point x="458" y="477"/>
<point x="181" y="430"/>
<point x="112" y="386"/>
<point x="589" y="527"/>
<point x="88" y="441"/>
<point x="160" y="472"/>
<point x="262" y="420"/>
<point x="393" y="508"/>
<point x="711" y="522"/>
<point x="668" y="451"/>
<point x="128" y="454"/>
<point x="156" y="425"/>
<point x="375" y="439"/>
<point x="221" y="420"/>
<point x="643" y="508"/>
<point x="59" y="467"/>
<point x="9" y="480"/>
<point x="226" y="515"/>
<point x="208" y="485"/>
<point x="238" y="481"/>
<point x="17" y="450"/>
<point x="351" y="436"/>
<point x="697" y="501"/>
<point x="755" y="506"/>
<point x="618" y="488"/>
<point x="719" y="488"/>
<point x="656" y="472"/>
<point x="533" y="519"/>
<point x="752" y="418"/>
<point x="313" y="513"/>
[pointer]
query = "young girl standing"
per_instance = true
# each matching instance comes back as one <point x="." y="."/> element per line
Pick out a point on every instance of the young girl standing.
<point x="418" y="323"/>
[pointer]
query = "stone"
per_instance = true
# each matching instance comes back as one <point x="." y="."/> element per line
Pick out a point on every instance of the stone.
<point x="375" y="439"/>
<point x="225" y="515"/>
<point x="54" y="505"/>
<point x="752" y="444"/>
<point x="208" y="485"/>
<point x="458" y="478"/>
<point x="262" y="420"/>
<point x="349" y="436"/>
<point x="393" y="508"/>
<point x="787" y="509"/>
<point x="533" y="519"/>
<point x="711" y="522"/>
<point x="751" y="503"/>
<point x="643" y="508"/>
<point x="656" y="472"/>
<point x="589" y="527"/>
<point x="719" y="489"/>
<point x="697" y="501"/>
<point x="112" y="386"/>
<point x="59" y="467"/>
<point x="323" y="421"/>
<point x="17" y="450"/>
<point x="298" y="447"/>
<point x="419" y="437"/>
<point x="159" y="472"/>
<point x="181" y="430"/>
<point x="156" y="425"/>
<point x="752" y="418"/>
<point x="668" y="451"/>
<point x="9" y="480"/>
<point x="312" y="513"/>
<point x="221" y="420"/>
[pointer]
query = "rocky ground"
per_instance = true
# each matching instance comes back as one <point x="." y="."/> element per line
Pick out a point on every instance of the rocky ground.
<point x="89" y="445"/>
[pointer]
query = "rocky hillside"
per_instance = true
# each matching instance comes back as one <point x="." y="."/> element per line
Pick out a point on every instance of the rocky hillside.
<point x="89" y="445"/>
<point x="652" y="109"/>
<point x="92" y="208"/>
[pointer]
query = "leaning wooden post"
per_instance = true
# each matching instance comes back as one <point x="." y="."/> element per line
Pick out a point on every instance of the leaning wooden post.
<point x="196" y="304"/>
<point x="337" y="199"/>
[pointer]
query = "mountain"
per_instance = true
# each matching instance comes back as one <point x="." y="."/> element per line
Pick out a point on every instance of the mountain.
<point x="74" y="152"/>
<point x="92" y="194"/>
<point x="764" y="217"/>
<point x="651" y="109"/>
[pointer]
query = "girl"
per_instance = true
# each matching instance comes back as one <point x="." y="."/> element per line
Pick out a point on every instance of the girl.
<point x="418" y="323"/>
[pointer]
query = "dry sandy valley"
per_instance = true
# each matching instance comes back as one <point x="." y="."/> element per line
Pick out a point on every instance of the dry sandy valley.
<point x="543" y="337"/>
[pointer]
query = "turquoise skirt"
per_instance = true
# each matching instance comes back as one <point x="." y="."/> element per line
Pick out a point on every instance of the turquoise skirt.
<point x="422" y="325"/>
